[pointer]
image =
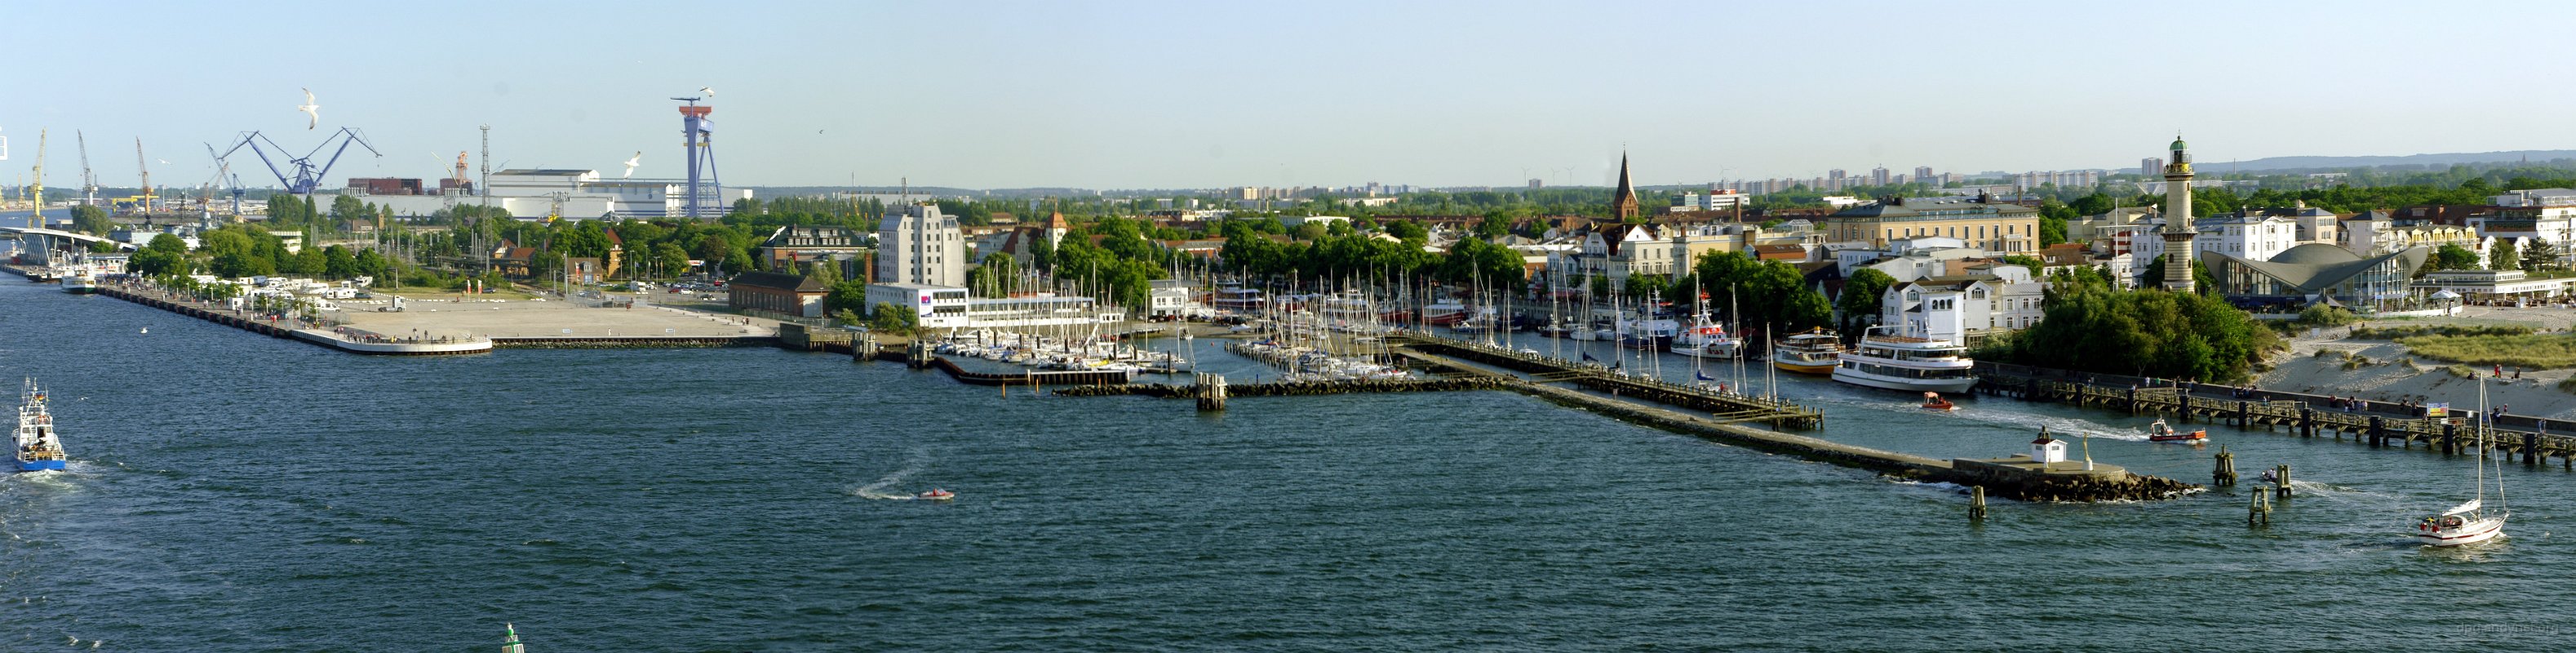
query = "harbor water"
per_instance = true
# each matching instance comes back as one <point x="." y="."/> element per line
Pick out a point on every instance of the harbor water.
<point x="231" y="492"/>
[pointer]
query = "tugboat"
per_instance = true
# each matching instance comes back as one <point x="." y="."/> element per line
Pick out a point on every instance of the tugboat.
<point x="34" y="445"/>
<point x="2159" y="432"/>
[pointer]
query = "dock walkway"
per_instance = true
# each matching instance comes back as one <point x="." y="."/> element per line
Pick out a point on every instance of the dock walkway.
<point x="1733" y="407"/>
<point x="2305" y="415"/>
<point x="341" y="339"/>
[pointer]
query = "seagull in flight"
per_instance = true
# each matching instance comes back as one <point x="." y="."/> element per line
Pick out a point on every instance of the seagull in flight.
<point x="313" y="112"/>
<point x="630" y="165"/>
<point x="709" y="92"/>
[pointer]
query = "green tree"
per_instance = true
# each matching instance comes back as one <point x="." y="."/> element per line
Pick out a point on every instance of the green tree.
<point x="91" y="220"/>
<point x="2540" y="255"/>
<point x="1863" y="293"/>
<point x="154" y="262"/>
<point x="168" y="243"/>
<point x="2455" y="257"/>
<point x="890" y="318"/>
<point x="669" y="259"/>
<point x="2502" y="256"/>
<point x="1311" y="230"/>
<point x="339" y="263"/>
<point x="846" y="296"/>
<point x="1407" y="230"/>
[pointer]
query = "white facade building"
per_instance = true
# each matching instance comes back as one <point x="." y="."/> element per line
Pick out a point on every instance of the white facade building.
<point x="948" y="307"/>
<point x="578" y="194"/>
<point x="1955" y="308"/>
<point x="2249" y="237"/>
<point x="919" y="245"/>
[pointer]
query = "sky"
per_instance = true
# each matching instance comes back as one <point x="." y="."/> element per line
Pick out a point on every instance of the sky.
<point x="1128" y="95"/>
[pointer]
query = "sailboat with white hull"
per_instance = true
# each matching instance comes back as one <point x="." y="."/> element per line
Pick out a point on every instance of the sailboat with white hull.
<point x="2472" y="522"/>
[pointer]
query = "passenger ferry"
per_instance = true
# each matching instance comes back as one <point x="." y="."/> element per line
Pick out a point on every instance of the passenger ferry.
<point x="80" y="281"/>
<point x="1907" y="363"/>
<point x="34" y="446"/>
<point x="1815" y="352"/>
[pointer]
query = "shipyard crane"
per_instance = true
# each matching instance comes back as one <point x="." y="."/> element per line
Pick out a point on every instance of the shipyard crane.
<point x="89" y="181"/>
<point x="143" y="207"/>
<point x="224" y="175"/>
<point x="307" y="176"/>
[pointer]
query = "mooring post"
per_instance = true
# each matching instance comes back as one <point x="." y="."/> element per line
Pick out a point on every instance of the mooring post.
<point x="2378" y="438"/>
<point x="2530" y="448"/>
<point x="2226" y="472"/>
<point x="2308" y="423"/>
<point x="2450" y="434"/>
<point x="2258" y="512"/>
<point x="1976" y="503"/>
<point x="1211" y="392"/>
<point x="2133" y="401"/>
<point x="2282" y="487"/>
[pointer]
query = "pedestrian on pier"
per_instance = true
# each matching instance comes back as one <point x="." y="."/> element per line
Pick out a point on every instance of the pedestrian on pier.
<point x="2499" y="370"/>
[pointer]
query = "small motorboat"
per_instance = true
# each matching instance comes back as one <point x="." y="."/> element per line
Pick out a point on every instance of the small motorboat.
<point x="936" y="494"/>
<point x="2159" y="432"/>
<point x="1933" y="401"/>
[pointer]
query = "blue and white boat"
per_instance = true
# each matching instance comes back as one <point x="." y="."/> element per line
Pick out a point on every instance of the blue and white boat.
<point x="34" y="445"/>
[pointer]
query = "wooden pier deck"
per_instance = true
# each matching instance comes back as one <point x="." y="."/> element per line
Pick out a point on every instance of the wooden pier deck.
<point x="1734" y="408"/>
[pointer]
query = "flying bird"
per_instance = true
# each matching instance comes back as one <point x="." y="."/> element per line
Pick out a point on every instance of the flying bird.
<point x="709" y="92"/>
<point x="312" y="112"/>
<point x="630" y="165"/>
<point x="163" y="161"/>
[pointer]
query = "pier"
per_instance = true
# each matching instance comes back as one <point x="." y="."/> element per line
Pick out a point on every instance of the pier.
<point x="1734" y="407"/>
<point x="2534" y="439"/>
<point x="341" y="339"/>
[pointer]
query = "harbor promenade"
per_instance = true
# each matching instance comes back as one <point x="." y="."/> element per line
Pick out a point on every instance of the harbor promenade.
<point x="2377" y="423"/>
<point x="351" y="340"/>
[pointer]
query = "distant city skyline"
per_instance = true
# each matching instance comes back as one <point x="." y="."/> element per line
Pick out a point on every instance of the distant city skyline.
<point x="1183" y="95"/>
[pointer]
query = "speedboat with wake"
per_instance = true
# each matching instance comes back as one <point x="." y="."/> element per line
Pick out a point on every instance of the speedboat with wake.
<point x="936" y="494"/>
<point x="1933" y="401"/>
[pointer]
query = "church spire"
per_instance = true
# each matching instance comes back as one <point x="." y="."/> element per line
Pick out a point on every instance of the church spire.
<point x="1623" y="201"/>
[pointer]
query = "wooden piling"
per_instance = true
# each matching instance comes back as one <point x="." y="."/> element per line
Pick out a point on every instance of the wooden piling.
<point x="1976" y="503"/>
<point x="2281" y="487"/>
<point x="2226" y="473"/>
<point x="2259" y="512"/>
<point x="1211" y="392"/>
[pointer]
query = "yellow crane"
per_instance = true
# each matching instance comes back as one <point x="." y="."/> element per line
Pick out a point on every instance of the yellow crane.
<point x="145" y="207"/>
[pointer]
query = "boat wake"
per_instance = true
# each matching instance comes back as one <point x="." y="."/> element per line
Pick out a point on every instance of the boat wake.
<point x="877" y="489"/>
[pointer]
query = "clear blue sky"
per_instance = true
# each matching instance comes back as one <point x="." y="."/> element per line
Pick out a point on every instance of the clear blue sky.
<point x="1208" y="94"/>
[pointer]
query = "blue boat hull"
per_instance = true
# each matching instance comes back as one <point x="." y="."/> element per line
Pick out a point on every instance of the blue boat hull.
<point x="38" y="465"/>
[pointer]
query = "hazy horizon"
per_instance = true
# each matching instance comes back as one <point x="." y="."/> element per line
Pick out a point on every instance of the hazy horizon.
<point x="1174" y="95"/>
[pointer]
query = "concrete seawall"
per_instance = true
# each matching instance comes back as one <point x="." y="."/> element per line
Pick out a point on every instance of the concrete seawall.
<point x="323" y="337"/>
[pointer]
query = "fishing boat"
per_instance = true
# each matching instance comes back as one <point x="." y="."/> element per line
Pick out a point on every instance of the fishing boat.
<point x="1933" y="401"/>
<point x="1813" y="352"/>
<point x="2472" y="522"/>
<point x="936" y="494"/>
<point x="1909" y="363"/>
<point x="34" y="444"/>
<point x="2160" y="432"/>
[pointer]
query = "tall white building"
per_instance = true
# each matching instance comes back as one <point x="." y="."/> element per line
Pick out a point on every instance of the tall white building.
<point x="918" y="245"/>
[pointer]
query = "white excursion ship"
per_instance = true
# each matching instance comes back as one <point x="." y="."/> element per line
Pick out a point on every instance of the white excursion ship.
<point x="1894" y="362"/>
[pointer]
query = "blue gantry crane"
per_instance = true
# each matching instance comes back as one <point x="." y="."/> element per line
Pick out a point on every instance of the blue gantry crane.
<point x="306" y="176"/>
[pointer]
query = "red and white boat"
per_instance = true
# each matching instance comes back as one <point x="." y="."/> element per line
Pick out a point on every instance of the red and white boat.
<point x="936" y="494"/>
<point x="2160" y="432"/>
<point x="1933" y="401"/>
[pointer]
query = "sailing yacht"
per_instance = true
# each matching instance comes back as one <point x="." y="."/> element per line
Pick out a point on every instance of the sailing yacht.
<point x="2472" y="522"/>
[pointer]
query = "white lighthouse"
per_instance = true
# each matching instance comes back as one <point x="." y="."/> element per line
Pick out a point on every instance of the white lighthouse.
<point x="2178" y="232"/>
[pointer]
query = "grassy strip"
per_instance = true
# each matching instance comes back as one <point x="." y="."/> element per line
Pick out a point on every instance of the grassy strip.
<point x="2529" y="351"/>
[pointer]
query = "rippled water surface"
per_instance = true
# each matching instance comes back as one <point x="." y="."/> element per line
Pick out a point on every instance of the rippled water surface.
<point x="239" y="493"/>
